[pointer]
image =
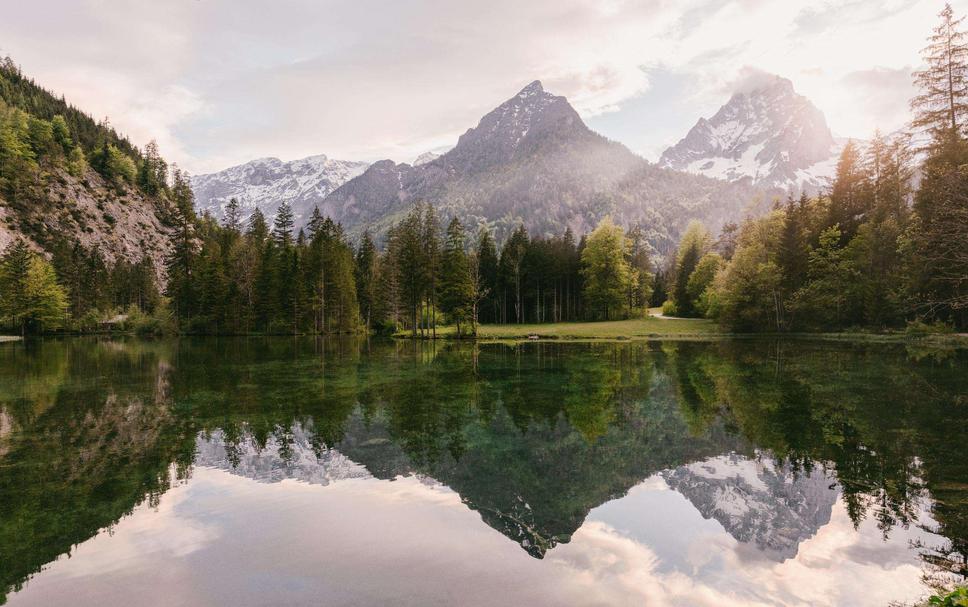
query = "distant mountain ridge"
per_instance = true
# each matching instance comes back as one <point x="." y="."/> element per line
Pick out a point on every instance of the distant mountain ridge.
<point x="533" y="161"/>
<point x="769" y="135"/>
<point x="268" y="182"/>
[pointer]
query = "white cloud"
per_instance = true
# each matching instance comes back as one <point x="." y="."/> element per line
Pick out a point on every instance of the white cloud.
<point x="222" y="81"/>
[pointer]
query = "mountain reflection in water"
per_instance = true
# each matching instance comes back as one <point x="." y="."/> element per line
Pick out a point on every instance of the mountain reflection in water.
<point x="773" y="449"/>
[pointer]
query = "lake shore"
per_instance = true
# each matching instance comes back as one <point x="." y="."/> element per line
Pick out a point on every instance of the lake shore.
<point x="4" y="338"/>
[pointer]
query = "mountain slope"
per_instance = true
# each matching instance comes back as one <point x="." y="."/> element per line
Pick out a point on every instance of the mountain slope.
<point x="533" y="161"/>
<point x="268" y="182"/>
<point x="769" y="135"/>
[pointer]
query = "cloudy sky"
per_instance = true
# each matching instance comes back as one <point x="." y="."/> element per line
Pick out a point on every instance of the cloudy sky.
<point x="219" y="82"/>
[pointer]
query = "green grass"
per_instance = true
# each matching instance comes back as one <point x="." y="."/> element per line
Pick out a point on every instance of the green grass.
<point x="637" y="328"/>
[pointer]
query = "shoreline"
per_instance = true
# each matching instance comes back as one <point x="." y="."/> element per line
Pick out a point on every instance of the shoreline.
<point x="6" y="338"/>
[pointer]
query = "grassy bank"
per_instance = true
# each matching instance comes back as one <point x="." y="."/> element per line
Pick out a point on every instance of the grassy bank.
<point x="638" y="328"/>
<point x="677" y="328"/>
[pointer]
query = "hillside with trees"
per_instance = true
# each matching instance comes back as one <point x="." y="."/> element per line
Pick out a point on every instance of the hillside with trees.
<point x="85" y="216"/>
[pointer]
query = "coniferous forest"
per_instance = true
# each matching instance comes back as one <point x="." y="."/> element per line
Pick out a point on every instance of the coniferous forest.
<point x="884" y="247"/>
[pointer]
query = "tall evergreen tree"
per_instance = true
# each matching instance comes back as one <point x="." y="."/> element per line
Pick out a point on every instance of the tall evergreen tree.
<point x="366" y="277"/>
<point x="233" y="215"/>
<point x="283" y="224"/>
<point x="941" y="106"/>
<point x="487" y="272"/>
<point x="456" y="288"/>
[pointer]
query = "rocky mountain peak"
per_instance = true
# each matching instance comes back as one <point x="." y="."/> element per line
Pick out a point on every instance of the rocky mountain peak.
<point x="767" y="133"/>
<point x="515" y="128"/>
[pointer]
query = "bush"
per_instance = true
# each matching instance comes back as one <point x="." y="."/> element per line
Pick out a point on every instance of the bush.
<point x="956" y="598"/>
<point x="669" y="308"/>
<point x="918" y="329"/>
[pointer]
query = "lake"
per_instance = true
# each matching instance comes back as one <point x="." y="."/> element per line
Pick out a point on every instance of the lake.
<point x="285" y="471"/>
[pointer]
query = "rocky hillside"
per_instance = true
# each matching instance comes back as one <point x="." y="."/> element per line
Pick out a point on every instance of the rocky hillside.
<point x="533" y="161"/>
<point x="268" y="182"/>
<point x="768" y="135"/>
<point x="126" y="225"/>
<point x="65" y="179"/>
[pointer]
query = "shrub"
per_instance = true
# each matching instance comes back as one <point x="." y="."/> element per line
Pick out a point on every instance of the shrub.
<point x="669" y="308"/>
<point x="918" y="329"/>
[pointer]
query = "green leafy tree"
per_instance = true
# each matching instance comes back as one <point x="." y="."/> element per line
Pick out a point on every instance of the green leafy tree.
<point x="701" y="279"/>
<point x="694" y="244"/>
<point x="605" y="268"/>
<point x="31" y="298"/>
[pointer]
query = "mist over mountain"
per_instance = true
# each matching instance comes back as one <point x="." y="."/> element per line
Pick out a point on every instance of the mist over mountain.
<point x="766" y="134"/>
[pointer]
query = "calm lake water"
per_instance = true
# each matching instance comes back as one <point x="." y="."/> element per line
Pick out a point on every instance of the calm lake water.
<point x="303" y="472"/>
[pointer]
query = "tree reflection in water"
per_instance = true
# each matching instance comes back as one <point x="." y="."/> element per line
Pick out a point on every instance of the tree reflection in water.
<point x="762" y="436"/>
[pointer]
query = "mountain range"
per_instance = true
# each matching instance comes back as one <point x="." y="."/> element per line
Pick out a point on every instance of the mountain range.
<point x="533" y="161"/>
<point x="267" y="182"/>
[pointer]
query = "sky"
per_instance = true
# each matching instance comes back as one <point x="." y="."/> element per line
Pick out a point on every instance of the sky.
<point x="220" y="82"/>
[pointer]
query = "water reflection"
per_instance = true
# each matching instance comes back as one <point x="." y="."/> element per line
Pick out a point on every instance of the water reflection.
<point x="769" y="448"/>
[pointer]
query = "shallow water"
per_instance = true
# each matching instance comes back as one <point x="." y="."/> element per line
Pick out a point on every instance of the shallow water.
<point x="303" y="472"/>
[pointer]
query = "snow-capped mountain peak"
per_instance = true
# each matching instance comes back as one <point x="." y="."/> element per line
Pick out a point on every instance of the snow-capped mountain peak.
<point x="768" y="134"/>
<point x="268" y="182"/>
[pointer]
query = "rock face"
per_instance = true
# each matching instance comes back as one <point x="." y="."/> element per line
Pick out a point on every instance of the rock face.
<point x="769" y="135"/>
<point x="533" y="161"/>
<point x="757" y="503"/>
<point x="123" y="224"/>
<point x="268" y="182"/>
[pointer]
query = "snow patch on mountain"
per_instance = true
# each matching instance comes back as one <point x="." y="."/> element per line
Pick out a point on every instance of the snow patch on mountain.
<point x="266" y="183"/>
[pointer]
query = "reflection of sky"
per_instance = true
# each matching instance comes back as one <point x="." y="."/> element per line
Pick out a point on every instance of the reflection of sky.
<point x="224" y="539"/>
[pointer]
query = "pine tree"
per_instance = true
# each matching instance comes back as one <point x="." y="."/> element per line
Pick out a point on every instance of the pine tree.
<point x="233" y="215"/>
<point x="258" y="228"/>
<point x="182" y="195"/>
<point x="848" y="196"/>
<point x="431" y="243"/>
<point x="941" y="204"/>
<point x="180" y="266"/>
<point x="283" y="224"/>
<point x="510" y="271"/>
<point x="942" y="104"/>
<point x="456" y="288"/>
<point x="411" y="265"/>
<point x="792" y="253"/>
<point x="487" y="271"/>
<point x="315" y="224"/>
<point x="640" y="284"/>
<point x="14" y="268"/>
<point x="365" y="277"/>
